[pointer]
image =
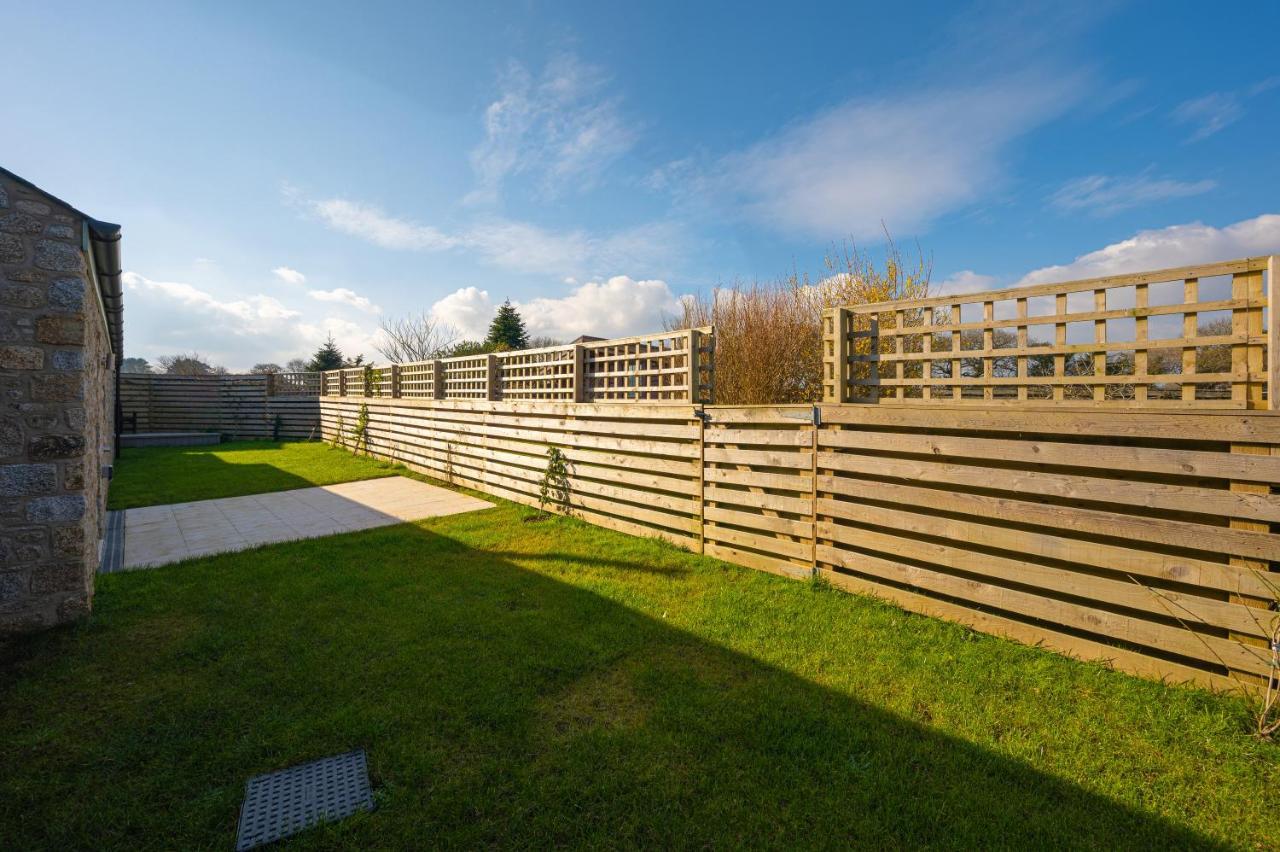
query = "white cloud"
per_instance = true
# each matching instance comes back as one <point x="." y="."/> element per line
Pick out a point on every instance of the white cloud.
<point x="1209" y="114"/>
<point x="902" y="161"/>
<point x="241" y="316"/>
<point x="513" y="245"/>
<point x="370" y="223"/>
<point x="559" y="128"/>
<point x="1103" y="195"/>
<point x="617" y="307"/>
<point x="1177" y="245"/>
<point x="175" y="316"/>
<point x="346" y="297"/>
<point x="289" y="276"/>
<point x="963" y="282"/>
<point x="468" y="309"/>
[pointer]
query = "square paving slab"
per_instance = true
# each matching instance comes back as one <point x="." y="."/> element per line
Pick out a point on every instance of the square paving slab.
<point x="156" y="535"/>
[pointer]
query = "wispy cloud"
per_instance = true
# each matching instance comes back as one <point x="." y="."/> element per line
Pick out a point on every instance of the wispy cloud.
<point x="1104" y="195"/>
<point x="344" y="296"/>
<point x="512" y="245"/>
<point x="900" y="160"/>
<point x="289" y="276"/>
<point x="1211" y="113"/>
<point x="370" y="223"/>
<point x="560" y="128"/>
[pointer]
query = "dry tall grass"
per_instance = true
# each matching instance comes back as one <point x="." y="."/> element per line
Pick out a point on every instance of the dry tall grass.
<point x="769" y="335"/>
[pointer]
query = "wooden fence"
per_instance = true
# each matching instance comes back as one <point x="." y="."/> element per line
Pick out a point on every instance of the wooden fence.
<point x="242" y="406"/>
<point x="1144" y="538"/>
<point x="1190" y="337"/>
<point x="676" y="366"/>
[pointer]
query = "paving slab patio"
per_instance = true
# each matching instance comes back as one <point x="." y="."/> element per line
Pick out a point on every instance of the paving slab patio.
<point x="157" y="535"/>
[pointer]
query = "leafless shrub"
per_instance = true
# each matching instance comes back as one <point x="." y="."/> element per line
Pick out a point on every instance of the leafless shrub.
<point x="420" y="337"/>
<point x="192" y="364"/>
<point x="1266" y="709"/>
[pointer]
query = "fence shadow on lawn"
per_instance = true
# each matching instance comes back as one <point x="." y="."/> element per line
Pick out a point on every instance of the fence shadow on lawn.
<point x="498" y="707"/>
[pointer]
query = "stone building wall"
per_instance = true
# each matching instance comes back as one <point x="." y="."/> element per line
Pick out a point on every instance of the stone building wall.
<point x="56" y="386"/>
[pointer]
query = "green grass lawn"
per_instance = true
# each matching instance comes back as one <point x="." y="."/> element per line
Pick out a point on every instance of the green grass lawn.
<point x="151" y="476"/>
<point x="550" y="683"/>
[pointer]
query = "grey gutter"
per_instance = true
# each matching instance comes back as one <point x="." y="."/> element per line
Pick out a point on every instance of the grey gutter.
<point x="104" y="242"/>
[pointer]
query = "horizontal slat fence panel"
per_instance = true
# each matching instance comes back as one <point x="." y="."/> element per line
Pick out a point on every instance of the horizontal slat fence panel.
<point x="237" y="405"/>
<point x="1186" y="337"/>
<point x="631" y="468"/>
<point x="1135" y="534"/>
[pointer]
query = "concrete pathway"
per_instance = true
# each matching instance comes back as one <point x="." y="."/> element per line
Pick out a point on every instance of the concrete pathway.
<point x="156" y="535"/>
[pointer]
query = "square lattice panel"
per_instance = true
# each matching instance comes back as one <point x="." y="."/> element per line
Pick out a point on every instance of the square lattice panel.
<point x="280" y="804"/>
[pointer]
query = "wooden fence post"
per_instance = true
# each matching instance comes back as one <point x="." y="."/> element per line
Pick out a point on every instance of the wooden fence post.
<point x="579" y="373"/>
<point x="1250" y="565"/>
<point x="437" y="379"/>
<point x="692" y="342"/>
<point x="395" y="381"/>
<point x="836" y="384"/>
<point x="493" y="378"/>
<point x="1273" y="333"/>
<point x="700" y="414"/>
<point x="342" y="382"/>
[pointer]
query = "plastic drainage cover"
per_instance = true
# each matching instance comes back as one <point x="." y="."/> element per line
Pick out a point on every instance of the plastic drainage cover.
<point x="280" y="804"/>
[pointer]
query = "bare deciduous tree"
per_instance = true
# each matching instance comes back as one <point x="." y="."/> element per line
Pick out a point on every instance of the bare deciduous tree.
<point x="410" y="338"/>
<point x="192" y="364"/>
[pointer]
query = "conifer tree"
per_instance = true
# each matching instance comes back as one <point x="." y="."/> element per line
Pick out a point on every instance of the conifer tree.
<point x="327" y="357"/>
<point x="507" y="331"/>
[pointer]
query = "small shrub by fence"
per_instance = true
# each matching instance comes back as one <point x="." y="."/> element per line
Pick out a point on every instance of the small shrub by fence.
<point x="242" y="406"/>
<point x="1194" y="336"/>
<point x="1143" y="538"/>
<point x="677" y="366"/>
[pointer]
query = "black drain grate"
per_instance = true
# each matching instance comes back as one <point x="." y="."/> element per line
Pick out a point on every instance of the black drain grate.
<point x="280" y="804"/>
<point x="113" y="545"/>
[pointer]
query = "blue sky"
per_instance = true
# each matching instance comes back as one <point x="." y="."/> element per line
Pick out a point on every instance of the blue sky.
<point x="285" y="171"/>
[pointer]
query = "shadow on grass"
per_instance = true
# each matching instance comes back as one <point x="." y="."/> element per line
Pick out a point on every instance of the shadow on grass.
<point x="499" y="708"/>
